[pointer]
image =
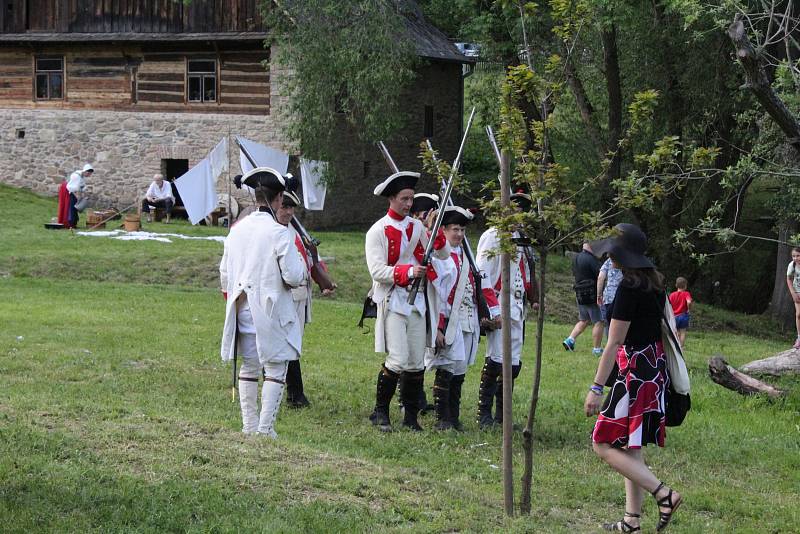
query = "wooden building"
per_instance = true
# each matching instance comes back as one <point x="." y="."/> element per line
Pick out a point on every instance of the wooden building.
<point x="144" y="86"/>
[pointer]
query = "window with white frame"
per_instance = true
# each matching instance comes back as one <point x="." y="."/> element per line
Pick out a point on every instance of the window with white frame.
<point x="202" y="78"/>
<point x="49" y="78"/>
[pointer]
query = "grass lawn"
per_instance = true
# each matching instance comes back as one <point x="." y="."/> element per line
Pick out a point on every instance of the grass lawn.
<point x="116" y="414"/>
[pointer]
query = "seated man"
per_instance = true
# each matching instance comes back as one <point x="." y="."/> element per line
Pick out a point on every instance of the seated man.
<point x="159" y="195"/>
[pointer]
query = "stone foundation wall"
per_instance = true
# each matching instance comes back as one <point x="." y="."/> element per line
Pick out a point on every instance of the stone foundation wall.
<point x="126" y="148"/>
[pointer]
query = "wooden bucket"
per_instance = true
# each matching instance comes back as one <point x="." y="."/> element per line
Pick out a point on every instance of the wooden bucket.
<point x="132" y="223"/>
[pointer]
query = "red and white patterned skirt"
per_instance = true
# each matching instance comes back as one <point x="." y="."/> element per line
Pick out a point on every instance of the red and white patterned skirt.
<point x="633" y="413"/>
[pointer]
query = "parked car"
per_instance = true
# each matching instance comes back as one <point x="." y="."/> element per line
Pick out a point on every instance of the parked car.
<point x="469" y="49"/>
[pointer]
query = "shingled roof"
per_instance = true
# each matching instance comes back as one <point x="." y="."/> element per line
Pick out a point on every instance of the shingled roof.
<point x="429" y="41"/>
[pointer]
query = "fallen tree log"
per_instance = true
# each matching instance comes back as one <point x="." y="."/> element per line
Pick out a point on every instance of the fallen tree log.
<point x="786" y="362"/>
<point x="726" y="376"/>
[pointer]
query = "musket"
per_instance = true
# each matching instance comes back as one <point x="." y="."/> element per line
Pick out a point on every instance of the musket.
<point x="426" y="259"/>
<point x="483" y="307"/>
<point x="308" y="238"/>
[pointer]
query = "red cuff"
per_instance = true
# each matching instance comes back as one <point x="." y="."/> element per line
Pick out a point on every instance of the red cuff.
<point x="401" y="275"/>
<point x="225" y="295"/>
<point x="431" y="273"/>
<point x="490" y="296"/>
<point x="441" y="321"/>
<point x="440" y="241"/>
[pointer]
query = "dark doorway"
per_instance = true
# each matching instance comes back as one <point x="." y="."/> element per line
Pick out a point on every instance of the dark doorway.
<point x="171" y="169"/>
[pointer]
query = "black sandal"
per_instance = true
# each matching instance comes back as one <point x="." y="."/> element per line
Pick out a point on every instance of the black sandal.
<point x="665" y="502"/>
<point x="623" y="526"/>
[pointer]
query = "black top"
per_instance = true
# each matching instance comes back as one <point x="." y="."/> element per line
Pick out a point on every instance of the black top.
<point x="585" y="267"/>
<point x="643" y="309"/>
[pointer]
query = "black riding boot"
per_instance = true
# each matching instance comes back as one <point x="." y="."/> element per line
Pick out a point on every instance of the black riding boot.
<point x="491" y="370"/>
<point x="295" y="397"/>
<point x="410" y="386"/>
<point x="387" y="383"/>
<point x="455" y="401"/>
<point x="498" y="413"/>
<point x="441" y="399"/>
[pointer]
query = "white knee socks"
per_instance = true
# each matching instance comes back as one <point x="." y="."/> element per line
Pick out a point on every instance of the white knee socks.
<point x="248" y="399"/>
<point x="271" y="394"/>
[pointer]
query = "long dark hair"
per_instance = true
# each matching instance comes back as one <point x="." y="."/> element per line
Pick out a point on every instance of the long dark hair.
<point x="643" y="279"/>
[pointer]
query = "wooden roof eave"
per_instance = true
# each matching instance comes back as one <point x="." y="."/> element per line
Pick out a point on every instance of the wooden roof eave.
<point x="47" y="37"/>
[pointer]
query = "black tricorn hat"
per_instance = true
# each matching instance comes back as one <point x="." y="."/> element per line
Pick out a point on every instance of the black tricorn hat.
<point x="456" y="215"/>
<point x="626" y="248"/>
<point x="396" y="183"/>
<point x="424" y="202"/>
<point x="522" y="200"/>
<point x="264" y="177"/>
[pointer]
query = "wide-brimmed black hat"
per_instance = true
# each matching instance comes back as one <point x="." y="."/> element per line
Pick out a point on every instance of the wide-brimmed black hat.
<point x="456" y="215"/>
<point x="626" y="248"/>
<point x="424" y="202"/>
<point x="396" y="183"/>
<point x="265" y="177"/>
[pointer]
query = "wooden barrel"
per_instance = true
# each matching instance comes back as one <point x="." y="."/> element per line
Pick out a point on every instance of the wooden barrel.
<point x="132" y="222"/>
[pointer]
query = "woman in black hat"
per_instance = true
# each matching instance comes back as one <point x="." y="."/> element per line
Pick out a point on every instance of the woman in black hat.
<point x="633" y="413"/>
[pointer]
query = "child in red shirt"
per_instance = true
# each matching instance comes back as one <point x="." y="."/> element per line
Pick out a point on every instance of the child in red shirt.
<point x="681" y="301"/>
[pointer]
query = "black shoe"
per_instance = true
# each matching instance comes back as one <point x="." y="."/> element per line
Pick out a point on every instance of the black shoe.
<point x="380" y="419"/>
<point x="486" y="422"/>
<point x="297" y="402"/>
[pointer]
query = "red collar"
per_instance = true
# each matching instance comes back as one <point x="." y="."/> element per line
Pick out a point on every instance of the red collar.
<point x="394" y="215"/>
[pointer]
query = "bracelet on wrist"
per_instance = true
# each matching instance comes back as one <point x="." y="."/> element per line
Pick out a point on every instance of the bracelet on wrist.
<point x="601" y="386"/>
<point x="597" y="390"/>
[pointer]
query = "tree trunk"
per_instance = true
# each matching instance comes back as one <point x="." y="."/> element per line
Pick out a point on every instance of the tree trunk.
<point x="505" y="311"/>
<point x="585" y="108"/>
<point x="783" y="363"/>
<point x="614" y="89"/>
<point x="726" y="376"/>
<point x="781" y="306"/>
<point x="758" y="82"/>
<point x="527" y="433"/>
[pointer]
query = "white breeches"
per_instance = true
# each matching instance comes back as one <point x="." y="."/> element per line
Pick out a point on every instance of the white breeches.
<point x="457" y="357"/>
<point x="494" y="343"/>
<point x="252" y="368"/>
<point x="405" y="341"/>
<point x="247" y="346"/>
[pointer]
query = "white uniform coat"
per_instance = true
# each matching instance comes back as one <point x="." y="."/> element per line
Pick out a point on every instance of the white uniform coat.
<point x="491" y="285"/>
<point x="302" y="294"/>
<point x="261" y="260"/>
<point x="388" y="262"/>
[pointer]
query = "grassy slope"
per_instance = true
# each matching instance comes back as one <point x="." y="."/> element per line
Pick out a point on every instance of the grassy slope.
<point x="104" y="428"/>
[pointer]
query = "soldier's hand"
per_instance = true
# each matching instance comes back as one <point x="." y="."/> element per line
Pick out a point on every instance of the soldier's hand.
<point x="419" y="271"/>
<point x="439" y="339"/>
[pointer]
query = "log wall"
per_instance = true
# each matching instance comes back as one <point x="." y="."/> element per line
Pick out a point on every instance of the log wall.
<point x="135" y="78"/>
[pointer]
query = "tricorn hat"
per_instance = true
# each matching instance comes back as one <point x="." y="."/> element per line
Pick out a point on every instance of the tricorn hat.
<point x="396" y="183"/>
<point x="522" y="200"/>
<point x="626" y="248"/>
<point x="265" y="177"/>
<point x="290" y="198"/>
<point x="456" y="215"/>
<point x="424" y="202"/>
